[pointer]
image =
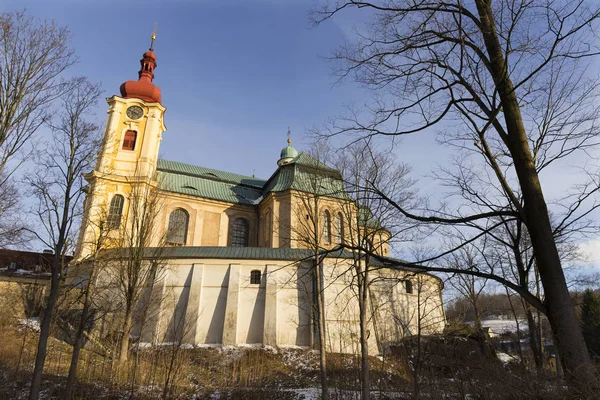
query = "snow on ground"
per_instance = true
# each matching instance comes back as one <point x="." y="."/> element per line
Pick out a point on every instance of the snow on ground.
<point x="30" y="323"/>
<point x="505" y="358"/>
<point x="500" y="326"/>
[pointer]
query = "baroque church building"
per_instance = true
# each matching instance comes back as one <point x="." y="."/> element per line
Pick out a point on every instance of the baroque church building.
<point x="231" y="258"/>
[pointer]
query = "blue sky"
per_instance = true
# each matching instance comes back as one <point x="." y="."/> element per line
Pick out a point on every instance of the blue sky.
<point x="233" y="74"/>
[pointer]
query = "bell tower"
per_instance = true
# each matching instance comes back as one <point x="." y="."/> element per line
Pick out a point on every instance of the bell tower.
<point x="128" y="155"/>
<point x="135" y="125"/>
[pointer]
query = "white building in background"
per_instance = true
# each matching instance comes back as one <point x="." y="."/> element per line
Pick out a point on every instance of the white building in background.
<point x="238" y="268"/>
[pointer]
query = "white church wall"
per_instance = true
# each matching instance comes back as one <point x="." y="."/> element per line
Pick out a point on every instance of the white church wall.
<point x="213" y="302"/>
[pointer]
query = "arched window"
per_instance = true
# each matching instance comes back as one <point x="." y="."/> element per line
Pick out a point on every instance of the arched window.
<point x="178" y="226"/>
<point x="129" y="140"/>
<point x="239" y="233"/>
<point x="339" y="228"/>
<point x="255" y="277"/>
<point x="115" y="212"/>
<point x="408" y="286"/>
<point x="326" y="221"/>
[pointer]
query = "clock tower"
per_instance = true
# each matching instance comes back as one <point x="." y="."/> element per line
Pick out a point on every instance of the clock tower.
<point x="129" y="151"/>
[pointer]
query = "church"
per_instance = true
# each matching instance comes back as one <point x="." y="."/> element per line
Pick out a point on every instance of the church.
<point x="234" y="256"/>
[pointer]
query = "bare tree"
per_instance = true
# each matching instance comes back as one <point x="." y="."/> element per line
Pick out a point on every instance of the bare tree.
<point x="89" y="267"/>
<point x="13" y="229"/>
<point x="317" y="185"/>
<point x="58" y="186"/>
<point x="135" y="264"/>
<point x="367" y="225"/>
<point x="33" y="54"/>
<point x="470" y="287"/>
<point x="484" y="66"/>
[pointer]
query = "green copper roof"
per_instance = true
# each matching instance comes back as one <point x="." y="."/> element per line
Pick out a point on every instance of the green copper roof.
<point x="306" y="174"/>
<point x="366" y="218"/>
<point x="202" y="172"/>
<point x="288" y="152"/>
<point x="307" y="160"/>
<point x="209" y="188"/>
<point x="303" y="173"/>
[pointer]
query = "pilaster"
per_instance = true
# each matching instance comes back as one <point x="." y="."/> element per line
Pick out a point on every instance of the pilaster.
<point x="231" y="307"/>
<point x="270" y="324"/>
<point x="152" y="330"/>
<point x="192" y="311"/>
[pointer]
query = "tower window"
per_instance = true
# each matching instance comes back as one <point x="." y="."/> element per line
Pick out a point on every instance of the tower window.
<point x="115" y="212"/>
<point x="239" y="233"/>
<point x="408" y="286"/>
<point x="255" y="277"/>
<point x="178" y="226"/>
<point x="129" y="140"/>
<point x="339" y="229"/>
<point x="326" y="227"/>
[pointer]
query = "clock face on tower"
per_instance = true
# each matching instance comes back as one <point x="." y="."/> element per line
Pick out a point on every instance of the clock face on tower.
<point x="135" y="112"/>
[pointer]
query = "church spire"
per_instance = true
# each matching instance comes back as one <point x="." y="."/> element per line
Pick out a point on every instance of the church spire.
<point x="288" y="153"/>
<point x="153" y="38"/>
<point x="143" y="88"/>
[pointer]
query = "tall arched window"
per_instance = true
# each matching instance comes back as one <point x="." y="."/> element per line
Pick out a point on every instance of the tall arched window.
<point x="129" y="140"/>
<point x="339" y="228"/>
<point x="267" y="228"/>
<point x="115" y="212"/>
<point x="239" y="233"/>
<point x="326" y="221"/>
<point x="178" y="226"/>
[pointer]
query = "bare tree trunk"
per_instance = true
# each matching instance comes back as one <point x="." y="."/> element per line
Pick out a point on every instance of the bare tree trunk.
<point x="45" y="324"/>
<point x="362" y="278"/>
<point x="533" y="339"/>
<point x="561" y="314"/>
<point x="72" y="377"/>
<point x="483" y="342"/>
<point x="417" y="358"/>
<point x="322" y="333"/>
<point x="124" y="342"/>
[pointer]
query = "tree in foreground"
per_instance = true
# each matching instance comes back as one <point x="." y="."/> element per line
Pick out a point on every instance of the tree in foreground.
<point x="510" y="79"/>
<point x="58" y="186"/>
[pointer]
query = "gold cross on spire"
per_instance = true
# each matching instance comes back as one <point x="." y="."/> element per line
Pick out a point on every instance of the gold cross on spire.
<point x="153" y="37"/>
<point x="289" y="135"/>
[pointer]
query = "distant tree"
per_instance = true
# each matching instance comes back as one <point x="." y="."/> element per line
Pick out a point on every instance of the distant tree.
<point x="590" y="322"/>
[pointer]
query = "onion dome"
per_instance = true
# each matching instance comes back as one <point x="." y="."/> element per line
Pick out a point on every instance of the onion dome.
<point x="143" y="88"/>
<point x="287" y="154"/>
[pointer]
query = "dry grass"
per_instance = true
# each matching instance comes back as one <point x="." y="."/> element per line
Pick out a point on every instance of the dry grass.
<point x="450" y="369"/>
<point x="199" y="371"/>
